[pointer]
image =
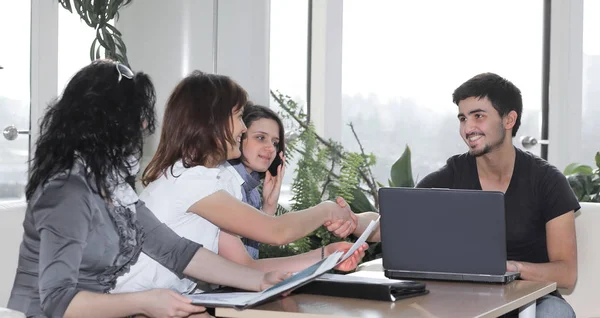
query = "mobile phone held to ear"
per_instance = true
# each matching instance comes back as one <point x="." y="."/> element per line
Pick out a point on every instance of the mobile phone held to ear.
<point x="274" y="165"/>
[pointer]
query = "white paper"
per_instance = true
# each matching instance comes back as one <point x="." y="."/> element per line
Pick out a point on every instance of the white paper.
<point x="355" y="279"/>
<point x="361" y="240"/>
<point x="224" y="299"/>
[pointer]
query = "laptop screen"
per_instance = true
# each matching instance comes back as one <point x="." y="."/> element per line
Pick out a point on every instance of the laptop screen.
<point x="443" y="230"/>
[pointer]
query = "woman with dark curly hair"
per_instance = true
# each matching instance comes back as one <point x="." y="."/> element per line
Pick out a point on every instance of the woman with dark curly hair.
<point x="84" y="225"/>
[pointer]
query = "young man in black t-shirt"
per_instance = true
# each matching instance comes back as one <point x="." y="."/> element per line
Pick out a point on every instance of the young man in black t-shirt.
<point x="540" y="204"/>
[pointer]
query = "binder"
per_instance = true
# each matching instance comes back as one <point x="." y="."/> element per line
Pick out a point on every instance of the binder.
<point x="363" y="287"/>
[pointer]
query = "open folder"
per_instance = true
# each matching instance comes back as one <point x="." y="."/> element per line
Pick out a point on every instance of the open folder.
<point x="243" y="300"/>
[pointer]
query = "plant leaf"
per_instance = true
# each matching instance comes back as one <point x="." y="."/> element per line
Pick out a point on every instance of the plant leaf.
<point x="93" y="15"/>
<point x="402" y="170"/>
<point x="66" y="4"/>
<point x="575" y="168"/>
<point x="100" y="40"/>
<point x="110" y="49"/>
<point x="82" y="13"/>
<point x="582" y="185"/>
<point x="98" y="51"/>
<point x="93" y="49"/>
<point x="597" y="159"/>
<point x="120" y="44"/>
<point x="113" y="29"/>
<point x="361" y="203"/>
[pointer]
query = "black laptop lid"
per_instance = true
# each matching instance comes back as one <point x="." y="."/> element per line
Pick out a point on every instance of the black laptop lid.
<point x="443" y="230"/>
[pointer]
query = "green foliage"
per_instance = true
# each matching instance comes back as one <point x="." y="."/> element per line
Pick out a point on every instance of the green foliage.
<point x="402" y="171"/>
<point x="585" y="180"/>
<point x="98" y="14"/>
<point x="305" y="187"/>
<point x="361" y="203"/>
<point x="348" y="180"/>
<point x="325" y="170"/>
<point x="300" y="246"/>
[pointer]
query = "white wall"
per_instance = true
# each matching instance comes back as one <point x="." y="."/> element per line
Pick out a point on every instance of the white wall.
<point x="566" y="56"/>
<point x="326" y="70"/>
<point x="243" y="45"/>
<point x="169" y="39"/>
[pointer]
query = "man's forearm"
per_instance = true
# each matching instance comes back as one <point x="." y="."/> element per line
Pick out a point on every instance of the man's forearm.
<point x="562" y="272"/>
<point x="363" y="222"/>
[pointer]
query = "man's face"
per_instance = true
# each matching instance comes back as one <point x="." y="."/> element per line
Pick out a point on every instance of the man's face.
<point x="481" y="127"/>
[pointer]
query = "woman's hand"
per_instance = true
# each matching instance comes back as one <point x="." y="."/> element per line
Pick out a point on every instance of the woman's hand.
<point x="272" y="188"/>
<point x="167" y="303"/>
<point x="351" y="262"/>
<point x="272" y="278"/>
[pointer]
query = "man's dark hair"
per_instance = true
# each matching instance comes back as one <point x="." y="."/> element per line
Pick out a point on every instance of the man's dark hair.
<point x="504" y="95"/>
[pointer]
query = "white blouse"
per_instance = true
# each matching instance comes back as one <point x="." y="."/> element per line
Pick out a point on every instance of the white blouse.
<point x="169" y="198"/>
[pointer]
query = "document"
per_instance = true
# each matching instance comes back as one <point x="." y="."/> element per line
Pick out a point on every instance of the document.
<point x="362" y="239"/>
<point x="243" y="300"/>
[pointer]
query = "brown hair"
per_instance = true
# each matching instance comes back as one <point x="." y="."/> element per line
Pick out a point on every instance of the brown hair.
<point x="196" y="125"/>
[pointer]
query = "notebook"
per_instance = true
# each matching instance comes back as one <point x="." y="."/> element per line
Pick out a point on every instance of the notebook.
<point x="444" y="234"/>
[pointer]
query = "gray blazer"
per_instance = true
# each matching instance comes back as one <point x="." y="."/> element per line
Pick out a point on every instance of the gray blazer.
<point x="73" y="240"/>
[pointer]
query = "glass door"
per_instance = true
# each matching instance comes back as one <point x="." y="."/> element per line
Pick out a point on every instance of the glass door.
<point x="15" y="91"/>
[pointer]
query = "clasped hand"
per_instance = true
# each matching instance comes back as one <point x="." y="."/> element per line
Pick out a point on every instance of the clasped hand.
<point x="343" y="222"/>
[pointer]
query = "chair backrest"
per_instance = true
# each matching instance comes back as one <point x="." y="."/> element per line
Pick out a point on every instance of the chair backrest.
<point x="9" y="313"/>
<point x="11" y="234"/>
<point x="584" y="296"/>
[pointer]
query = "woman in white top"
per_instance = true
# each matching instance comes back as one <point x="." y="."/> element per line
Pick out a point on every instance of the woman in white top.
<point x="194" y="190"/>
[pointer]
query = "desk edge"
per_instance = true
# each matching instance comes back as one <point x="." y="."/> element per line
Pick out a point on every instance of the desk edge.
<point x="520" y="302"/>
<point x="256" y="313"/>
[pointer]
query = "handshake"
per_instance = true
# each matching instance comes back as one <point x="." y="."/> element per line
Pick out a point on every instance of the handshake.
<point x="342" y="221"/>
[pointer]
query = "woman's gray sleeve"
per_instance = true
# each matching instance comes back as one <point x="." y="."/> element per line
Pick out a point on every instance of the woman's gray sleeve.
<point x="62" y="217"/>
<point x="163" y="244"/>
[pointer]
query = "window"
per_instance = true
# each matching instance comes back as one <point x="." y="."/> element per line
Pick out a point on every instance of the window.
<point x="74" y="40"/>
<point x="288" y="65"/>
<point x="403" y="59"/>
<point x="289" y="49"/>
<point x="590" y="134"/>
<point x="15" y="23"/>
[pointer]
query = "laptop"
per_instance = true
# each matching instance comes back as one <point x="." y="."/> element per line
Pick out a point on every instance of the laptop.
<point x="444" y="234"/>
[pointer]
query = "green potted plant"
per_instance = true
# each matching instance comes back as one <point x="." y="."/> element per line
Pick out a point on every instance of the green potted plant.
<point x="99" y="15"/>
<point x="326" y="170"/>
<point x="585" y="180"/>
